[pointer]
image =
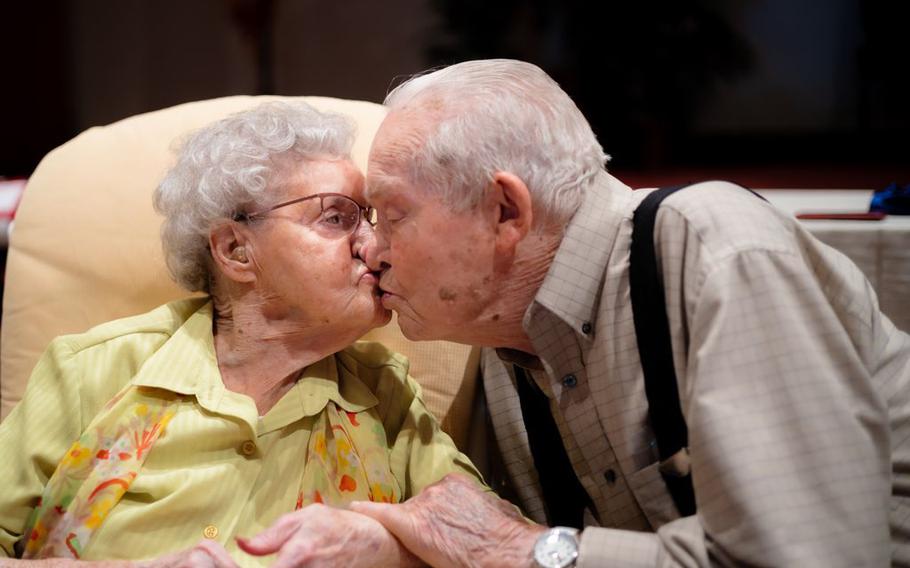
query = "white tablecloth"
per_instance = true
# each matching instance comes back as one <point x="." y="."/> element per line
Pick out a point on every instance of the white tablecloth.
<point x="880" y="248"/>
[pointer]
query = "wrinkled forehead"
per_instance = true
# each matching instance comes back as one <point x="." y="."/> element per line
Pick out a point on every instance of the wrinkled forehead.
<point x="390" y="158"/>
<point x="380" y="185"/>
<point x="396" y="145"/>
<point x="404" y="131"/>
<point x="398" y="136"/>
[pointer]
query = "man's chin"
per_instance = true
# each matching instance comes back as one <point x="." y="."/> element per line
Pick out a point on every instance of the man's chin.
<point x="388" y="299"/>
<point x="415" y="330"/>
<point x="411" y="327"/>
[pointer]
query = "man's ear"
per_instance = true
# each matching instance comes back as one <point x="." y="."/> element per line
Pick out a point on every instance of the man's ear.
<point x="232" y="253"/>
<point x="515" y="213"/>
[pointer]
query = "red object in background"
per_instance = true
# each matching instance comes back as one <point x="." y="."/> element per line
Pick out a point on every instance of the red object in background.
<point x="853" y="216"/>
<point x="10" y="194"/>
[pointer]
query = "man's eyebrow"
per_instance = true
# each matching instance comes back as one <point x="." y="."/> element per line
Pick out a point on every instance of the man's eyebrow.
<point x="371" y="191"/>
<point x="375" y="186"/>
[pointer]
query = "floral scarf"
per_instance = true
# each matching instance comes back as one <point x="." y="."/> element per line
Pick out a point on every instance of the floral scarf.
<point x="347" y="460"/>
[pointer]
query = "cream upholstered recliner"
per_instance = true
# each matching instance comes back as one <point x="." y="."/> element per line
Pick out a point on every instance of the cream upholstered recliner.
<point x="85" y="249"/>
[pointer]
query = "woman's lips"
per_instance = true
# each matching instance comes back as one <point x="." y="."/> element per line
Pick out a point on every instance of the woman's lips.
<point x="370" y="278"/>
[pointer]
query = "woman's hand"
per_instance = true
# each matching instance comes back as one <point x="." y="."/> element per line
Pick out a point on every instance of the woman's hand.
<point x="318" y="535"/>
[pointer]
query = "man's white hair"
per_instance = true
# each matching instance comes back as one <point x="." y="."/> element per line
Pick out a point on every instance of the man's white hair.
<point x="499" y="115"/>
<point x="233" y="165"/>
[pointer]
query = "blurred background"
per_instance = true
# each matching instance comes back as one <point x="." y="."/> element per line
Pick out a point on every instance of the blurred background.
<point x="794" y="94"/>
<point x="772" y="93"/>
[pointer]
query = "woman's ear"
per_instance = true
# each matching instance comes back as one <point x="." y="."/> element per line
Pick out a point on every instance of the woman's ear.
<point x="231" y="252"/>
<point x="514" y="214"/>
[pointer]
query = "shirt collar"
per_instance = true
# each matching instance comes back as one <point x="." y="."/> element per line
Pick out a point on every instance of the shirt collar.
<point x="572" y="287"/>
<point x="323" y="381"/>
<point x="186" y="364"/>
<point x="328" y="380"/>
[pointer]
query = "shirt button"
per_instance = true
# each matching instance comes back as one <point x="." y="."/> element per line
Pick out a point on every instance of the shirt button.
<point x="569" y="381"/>
<point x="610" y="476"/>
<point x="210" y="532"/>
<point x="586" y="328"/>
<point x="248" y="448"/>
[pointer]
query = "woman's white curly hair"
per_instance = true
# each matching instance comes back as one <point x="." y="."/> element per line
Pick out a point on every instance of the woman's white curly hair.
<point x="230" y="166"/>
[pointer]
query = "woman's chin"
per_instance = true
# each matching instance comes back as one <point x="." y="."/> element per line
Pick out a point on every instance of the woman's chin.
<point x="379" y="317"/>
<point x="382" y="316"/>
<point x="365" y="312"/>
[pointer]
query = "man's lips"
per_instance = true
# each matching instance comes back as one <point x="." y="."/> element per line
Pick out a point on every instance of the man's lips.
<point x="387" y="299"/>
<point x="386" y="295"/>
<point x="383" y="288"/>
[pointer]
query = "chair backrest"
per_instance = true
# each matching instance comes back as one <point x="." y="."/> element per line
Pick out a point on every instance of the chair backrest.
<point x="85" y="248"/>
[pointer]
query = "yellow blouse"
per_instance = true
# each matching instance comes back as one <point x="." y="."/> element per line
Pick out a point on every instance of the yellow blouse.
<point x="220" y="470"/>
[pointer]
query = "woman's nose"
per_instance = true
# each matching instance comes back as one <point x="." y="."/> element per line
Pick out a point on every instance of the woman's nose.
<point x="363" y="240"/>
<point x="373" y="248"/>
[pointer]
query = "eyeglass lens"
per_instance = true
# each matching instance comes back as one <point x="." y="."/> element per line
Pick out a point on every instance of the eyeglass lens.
<point x="340" y="215"/>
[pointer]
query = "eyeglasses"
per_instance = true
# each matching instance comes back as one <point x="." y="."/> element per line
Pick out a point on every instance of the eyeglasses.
<point x="339" y="215"/>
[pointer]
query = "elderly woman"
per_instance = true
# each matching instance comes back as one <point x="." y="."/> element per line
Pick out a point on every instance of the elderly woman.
<point x="173" y="434"/>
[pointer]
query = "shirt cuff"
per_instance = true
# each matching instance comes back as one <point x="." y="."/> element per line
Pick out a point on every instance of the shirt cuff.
<point x="617" y="548"/>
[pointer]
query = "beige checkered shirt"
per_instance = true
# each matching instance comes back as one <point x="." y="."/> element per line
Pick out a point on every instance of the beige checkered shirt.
<point x="795" y="388"/>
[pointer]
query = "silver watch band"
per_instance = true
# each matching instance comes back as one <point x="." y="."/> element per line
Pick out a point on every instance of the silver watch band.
<point x="557" y="548"/>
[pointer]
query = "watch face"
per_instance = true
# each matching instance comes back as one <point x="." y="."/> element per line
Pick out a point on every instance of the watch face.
<point x="556" y="549"/>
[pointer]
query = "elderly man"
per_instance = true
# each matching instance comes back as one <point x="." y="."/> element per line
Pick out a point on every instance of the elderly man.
<point x="499" y="226"/>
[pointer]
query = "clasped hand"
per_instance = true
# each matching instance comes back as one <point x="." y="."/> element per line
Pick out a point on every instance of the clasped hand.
<point x="452" y="523"/>
<point x="314" y="536"/>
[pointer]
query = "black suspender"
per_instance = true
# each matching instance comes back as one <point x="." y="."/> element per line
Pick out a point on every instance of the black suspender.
<point x="652" y="331"/>
<point x="563" y="494"/>
<point x="562" y="491"/>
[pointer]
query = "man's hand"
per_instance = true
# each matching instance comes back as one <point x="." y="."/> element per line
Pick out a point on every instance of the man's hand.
<point x="206" y="554"/>
<point x="318" y="535"/>
<point x="454" y="523"/>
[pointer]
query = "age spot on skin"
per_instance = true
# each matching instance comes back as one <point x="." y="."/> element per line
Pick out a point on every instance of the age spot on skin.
<point x="495" y="317"/>
<point x="447" y="295"/>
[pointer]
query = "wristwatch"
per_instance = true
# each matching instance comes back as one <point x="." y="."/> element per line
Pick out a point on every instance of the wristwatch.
<point x="557" y="548"/>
